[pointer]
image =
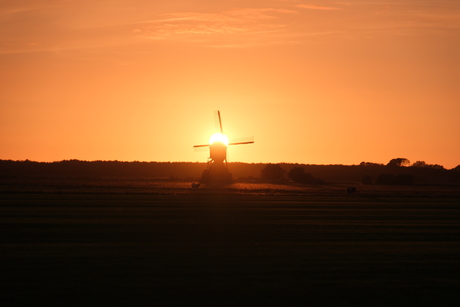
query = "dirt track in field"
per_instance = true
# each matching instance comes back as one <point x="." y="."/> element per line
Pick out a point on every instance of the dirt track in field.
<point x="228" y="249"/>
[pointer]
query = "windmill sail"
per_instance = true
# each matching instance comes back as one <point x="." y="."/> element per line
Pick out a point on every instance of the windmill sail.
<point x="241" y="143"/>
<point x="220" y="123"/>
<point x="197" y="146"/>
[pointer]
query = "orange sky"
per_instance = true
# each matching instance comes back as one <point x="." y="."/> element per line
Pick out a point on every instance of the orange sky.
<point x="317" y="82"/>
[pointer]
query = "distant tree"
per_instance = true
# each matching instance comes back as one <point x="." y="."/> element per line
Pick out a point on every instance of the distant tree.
<point x="398" y="162"/>
<point x="366" y="180"/>
<point x="297" y="174"/>
<point x="272" y="173"/>
<point x="457" y="168"/>
<point x="424" y="165"/>
<point x="436" y="166"/>
<point x="369" y="164"/>
<point x="419" y="164"/>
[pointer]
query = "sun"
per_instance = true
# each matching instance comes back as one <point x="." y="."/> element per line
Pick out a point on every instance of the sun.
<point x="219" y="137"/>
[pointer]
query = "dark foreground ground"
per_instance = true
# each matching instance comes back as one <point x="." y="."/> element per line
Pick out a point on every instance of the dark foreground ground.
<point x="229" y="249"/>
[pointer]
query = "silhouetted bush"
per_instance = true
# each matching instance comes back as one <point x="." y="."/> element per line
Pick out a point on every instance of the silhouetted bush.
<point x="272" y="173"/>
<point x="297" y="174"/>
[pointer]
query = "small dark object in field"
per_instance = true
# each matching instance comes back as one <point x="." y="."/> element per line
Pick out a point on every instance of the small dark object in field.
<point x="351" y="190"/>
<point x="195" y="185"/>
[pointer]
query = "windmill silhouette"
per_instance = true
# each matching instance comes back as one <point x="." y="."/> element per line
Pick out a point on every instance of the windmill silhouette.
<point x="217" y="168"/>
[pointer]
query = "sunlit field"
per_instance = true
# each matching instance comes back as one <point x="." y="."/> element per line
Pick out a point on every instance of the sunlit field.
<point x="167" y="186"/>
<point x="163" y="243"/>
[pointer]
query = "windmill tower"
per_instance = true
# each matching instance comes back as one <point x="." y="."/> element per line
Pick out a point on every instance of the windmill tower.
<point x="217" y="168"/>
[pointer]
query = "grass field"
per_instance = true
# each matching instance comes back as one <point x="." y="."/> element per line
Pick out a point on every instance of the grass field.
<point x="229" y="247"/>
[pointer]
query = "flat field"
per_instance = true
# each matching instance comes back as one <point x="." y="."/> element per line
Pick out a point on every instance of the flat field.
<point x="230" y="248"/>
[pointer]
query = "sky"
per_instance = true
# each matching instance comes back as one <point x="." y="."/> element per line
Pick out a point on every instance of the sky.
<point x="315" y="82"/>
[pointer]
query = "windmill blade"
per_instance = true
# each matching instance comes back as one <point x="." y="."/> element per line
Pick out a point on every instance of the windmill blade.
<point x="196" y="146"/>
<point x="218" y="122"/>
<point x="241" y="140"/>
<point x="241" y="143"/>
<point x="201" y="149"/>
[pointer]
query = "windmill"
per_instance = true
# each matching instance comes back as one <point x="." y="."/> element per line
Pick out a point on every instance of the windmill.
<point x="217" y="168"/>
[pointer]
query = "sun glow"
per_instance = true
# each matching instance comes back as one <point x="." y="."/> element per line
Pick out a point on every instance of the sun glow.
<point x="219" y="137"/>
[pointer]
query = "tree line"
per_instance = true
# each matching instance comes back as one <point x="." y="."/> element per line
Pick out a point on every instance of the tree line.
<point x="398" y="171"/>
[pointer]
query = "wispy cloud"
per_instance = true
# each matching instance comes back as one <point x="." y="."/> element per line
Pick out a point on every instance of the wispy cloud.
<point x="207" y="25"/>
<point x="403" y="19"/>
<point x="316" y="7"/>
<point x="14" y="8"/>
<point x="26" y="26"/>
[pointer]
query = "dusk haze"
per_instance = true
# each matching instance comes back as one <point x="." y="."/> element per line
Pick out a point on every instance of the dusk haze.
<point x="315" y="82"/>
